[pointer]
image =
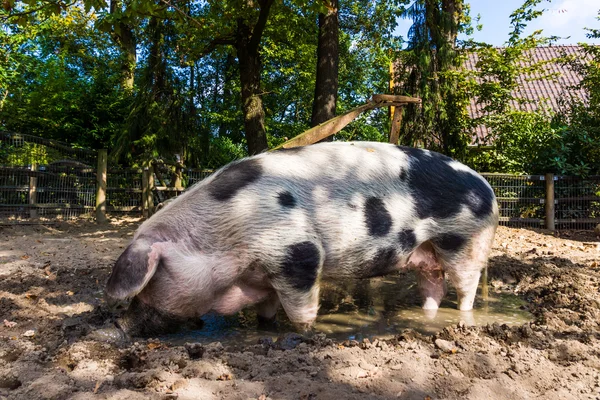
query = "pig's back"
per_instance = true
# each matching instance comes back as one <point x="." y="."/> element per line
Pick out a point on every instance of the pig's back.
<point x="356" y="200"/>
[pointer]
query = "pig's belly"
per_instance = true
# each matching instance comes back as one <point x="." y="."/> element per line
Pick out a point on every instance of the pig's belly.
<point x="237" y="297"/>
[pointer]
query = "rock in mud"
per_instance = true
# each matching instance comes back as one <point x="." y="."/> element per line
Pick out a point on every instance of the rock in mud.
<point x="195" y="350"/>
<point x="445" y="346"/>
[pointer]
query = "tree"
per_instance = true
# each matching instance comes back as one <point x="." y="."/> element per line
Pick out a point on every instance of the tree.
<point x="326" y="85"/>
<point x="58" y="81"/>
<point x="247" y="41"/>
<point x="430" y="68"/>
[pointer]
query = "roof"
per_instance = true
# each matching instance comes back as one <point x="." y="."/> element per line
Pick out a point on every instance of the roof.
<point x="536" y="92"/>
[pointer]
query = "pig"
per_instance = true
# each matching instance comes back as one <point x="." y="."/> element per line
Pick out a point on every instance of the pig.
<point x="266" y="230"/>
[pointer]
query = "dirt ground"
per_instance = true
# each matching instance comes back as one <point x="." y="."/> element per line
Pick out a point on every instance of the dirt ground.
<point x="51" y="280"/>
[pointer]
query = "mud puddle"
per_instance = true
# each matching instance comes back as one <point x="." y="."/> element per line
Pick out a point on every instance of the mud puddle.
<point x="357" y="309"/>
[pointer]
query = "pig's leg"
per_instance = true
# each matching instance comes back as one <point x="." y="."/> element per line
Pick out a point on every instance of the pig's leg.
<point x="297" y="285"/>
<point x="267" y="310"/>
<point x="301" y="307"/>
<point x="465" y="262"/>
<point x="430" y="276"/>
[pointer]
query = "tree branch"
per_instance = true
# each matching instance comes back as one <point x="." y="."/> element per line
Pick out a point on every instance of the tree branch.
<point x="265" y="8"/>
<point x="33" y="11"/>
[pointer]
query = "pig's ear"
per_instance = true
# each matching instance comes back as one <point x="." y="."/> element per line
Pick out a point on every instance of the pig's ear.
<point x="133" y="270"/>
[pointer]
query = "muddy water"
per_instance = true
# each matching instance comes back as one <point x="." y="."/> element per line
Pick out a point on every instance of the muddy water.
<point x="357" y="309"/>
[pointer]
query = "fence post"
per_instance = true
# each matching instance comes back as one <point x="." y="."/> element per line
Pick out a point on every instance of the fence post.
<point x="150" y="191"/>
<point x="101" y="177"/>
<point x="549" y="203"/>
<point x="33" y="193"/>
<point x="147" y="197"/>
<point x="145" y="205"/>
<point x="396" y="123"/>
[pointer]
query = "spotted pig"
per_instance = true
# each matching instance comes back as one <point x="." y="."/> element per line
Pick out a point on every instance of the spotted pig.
<point x="266" y="230"/>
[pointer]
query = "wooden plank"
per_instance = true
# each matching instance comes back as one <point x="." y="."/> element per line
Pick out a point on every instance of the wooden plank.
<point x="57" y="206"/>
<point x="575" y="199"/>
<point x="124" y="208"/>
<point x="338" y="123"/>
<point x="532" y="200"/>
<point x="326" y="129"/>
<point x="578" y="221"/>
<point x="523" y="220"/>
<point x="169" y="189"/>
<point x="380" y="98"/>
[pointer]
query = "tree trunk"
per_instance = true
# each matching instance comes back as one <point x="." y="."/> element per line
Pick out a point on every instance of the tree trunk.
<point x="126" y="41"/>
<point x="247" y="46"/>
<point x="326" y="87"/>
<point x="254" y="113"/>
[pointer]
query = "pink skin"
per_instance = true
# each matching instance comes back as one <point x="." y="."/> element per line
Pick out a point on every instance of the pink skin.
<point x="430" y="276"/>
<point x="237" y="297"/>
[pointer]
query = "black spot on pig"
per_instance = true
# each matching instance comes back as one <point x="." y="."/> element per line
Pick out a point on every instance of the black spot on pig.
<point x="233" y="178"/>
<point x="382" y="264"/>
<point x="403" y="174"/>
<point x="378" y="219"/>
<point x="450" y="242"/>
<point x="286" y="199"/>
<point x="440" y="191"/>
<point x="301" y="265"/>
<point x="407" y="239"/>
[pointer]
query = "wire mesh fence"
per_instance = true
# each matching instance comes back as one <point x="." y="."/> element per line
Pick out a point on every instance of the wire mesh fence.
<point x="124" y="191"/>
<point x="577" y="202"/>
<point x="41" y="180"/>
<point x="47" y="192"/>
<point x="189" y="177"/>
<point x="520" y="198"/>
<point x="196" y="175"/>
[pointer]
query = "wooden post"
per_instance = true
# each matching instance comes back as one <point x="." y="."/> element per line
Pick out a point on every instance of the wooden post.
<point x="150" y="192"/>
<point x="392" y="108"/>
<point x="145" y="205"/>
<point x="396" y="122"/>
<point x="550" y="202"/>
<point x="33" y="193"/>
<point x="147" y="197"/>
<point x="101" y="176"/>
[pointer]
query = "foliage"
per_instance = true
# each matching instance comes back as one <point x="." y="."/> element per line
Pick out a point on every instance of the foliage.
<point x="536" y="141"/>
<point x="431" y="68"/>
<point x="57" y="82"/>
<point x="161" y="79"/>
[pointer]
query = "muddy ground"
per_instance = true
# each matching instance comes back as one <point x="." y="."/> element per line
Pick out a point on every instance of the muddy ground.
<point x="51" y="280"/>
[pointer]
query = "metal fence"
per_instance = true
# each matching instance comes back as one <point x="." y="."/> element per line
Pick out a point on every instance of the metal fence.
<point x="42" y="180"/>
<point x="577" y="202"/>
<point x="522" y="200"/>
<point x="124" y="191"/>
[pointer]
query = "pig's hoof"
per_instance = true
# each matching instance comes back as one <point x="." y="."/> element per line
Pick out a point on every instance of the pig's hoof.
<point x="467" y="317"/>
<point x="305" y="329"/>
<point x="430" y="314"/>
<point x="430" y="304"/>
<point x="110" y="335"/>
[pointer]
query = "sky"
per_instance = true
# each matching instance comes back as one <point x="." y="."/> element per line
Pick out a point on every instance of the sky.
<point x="565" y="18"/>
